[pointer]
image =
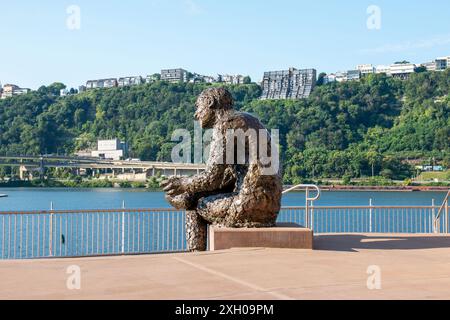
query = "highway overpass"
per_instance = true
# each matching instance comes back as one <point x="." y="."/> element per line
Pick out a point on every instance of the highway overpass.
<point x="30" y="165"/>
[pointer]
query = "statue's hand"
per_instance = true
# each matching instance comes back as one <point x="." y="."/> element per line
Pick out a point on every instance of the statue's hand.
<point x="173" y="186"/>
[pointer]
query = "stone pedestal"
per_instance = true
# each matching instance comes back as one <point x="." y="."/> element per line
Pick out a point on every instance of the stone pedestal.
<point x="284" y="235"/>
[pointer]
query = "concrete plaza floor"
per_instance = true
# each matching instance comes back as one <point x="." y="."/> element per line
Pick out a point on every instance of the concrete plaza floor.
<point x="411" y="267"/>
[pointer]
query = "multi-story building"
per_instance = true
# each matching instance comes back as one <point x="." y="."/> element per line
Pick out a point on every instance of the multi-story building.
<point x="152" y="78"/>
<point x="288" y="84"/>
<point x="110" y="149"/>
<point x="383" y="69"/>
<point x="402" y="70"/>
<point x="175" y="75"/>
<point x="130" y="81"/>
<point x="10" y="90"/>
<point x="366" y="69"/>
<point x="429" y="66"/>
<point x="353" y="75"/>
<point x="442" y="63"/>
<point x="341" y="76"/>
<point x="210" y="79"/>
<point x="231" y="79"/>
<point x="329" y="78"/>
<point x="101" y="83"/>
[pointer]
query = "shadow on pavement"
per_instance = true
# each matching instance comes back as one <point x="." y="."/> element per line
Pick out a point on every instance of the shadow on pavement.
<point x="351" y="243"/>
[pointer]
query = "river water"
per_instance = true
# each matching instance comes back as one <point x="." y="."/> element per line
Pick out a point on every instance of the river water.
<point x="26" y="199"/>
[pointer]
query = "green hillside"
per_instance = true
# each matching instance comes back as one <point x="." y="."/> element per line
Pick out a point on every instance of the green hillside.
<point x="350" y="129"/>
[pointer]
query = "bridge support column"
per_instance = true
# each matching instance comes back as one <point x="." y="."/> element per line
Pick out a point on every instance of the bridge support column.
<point x="22" y="171"/>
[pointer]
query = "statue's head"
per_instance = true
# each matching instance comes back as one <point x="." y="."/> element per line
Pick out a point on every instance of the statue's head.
<point x="210" y="102"/>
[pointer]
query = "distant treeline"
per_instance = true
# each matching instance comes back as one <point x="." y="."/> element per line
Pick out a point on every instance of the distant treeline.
<point x="343" y="130"/>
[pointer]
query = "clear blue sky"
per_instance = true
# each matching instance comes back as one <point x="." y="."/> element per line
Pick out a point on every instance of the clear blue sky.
<point x="139" y="37"/>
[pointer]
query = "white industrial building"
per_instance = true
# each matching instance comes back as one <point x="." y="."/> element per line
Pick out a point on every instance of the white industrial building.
<point x="110" y="149"/>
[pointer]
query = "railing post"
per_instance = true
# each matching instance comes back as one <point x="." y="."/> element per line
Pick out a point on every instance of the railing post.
<point x="123" y="228"/>
<point x="307" y="209"/>
<point x="435" y="221"/>
<point x="370" y="215"/>
<point x="446" y="217"/>
<point x="50" y="236"/>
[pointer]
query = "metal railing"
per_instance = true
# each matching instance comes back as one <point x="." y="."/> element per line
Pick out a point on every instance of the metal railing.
<point x="442" y="209"/>
<point x="75" y="233"/>
<point x="309" y="201"/>
<point x="366" y="219"/>
<point x="78" y="233"/>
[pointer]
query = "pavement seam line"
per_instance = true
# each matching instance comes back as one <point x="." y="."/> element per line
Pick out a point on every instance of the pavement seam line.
<point x="233" y="279"/>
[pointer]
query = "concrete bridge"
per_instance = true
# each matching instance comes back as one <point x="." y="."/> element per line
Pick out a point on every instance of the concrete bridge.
<point x="120" y="170"/>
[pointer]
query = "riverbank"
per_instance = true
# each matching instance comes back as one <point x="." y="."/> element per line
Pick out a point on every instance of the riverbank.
<point x="386" y="188"/>
<point x="154" y="186"/>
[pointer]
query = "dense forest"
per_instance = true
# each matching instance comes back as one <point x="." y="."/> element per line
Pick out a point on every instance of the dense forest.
<point x="343" y="130"/>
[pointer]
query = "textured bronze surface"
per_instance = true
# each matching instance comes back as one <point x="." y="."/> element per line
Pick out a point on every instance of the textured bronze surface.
<point x="239" y="194"/>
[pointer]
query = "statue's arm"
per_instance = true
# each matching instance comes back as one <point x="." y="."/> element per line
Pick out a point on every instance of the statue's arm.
<point x="209" y="180"/>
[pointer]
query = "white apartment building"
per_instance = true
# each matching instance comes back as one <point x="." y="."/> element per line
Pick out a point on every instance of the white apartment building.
<point x="101" y="83"/>
<point x="10" y="90"/>
<point x="402" y="70"/>
<point x="430" y="66"/>
<point x="231" y="79"/>
<point x="341" y="76"/>
<point x="383" y="69"/>
<point x="130" y="81"/>
<point x="329" y="78"/>
<point x="366" y="69"/>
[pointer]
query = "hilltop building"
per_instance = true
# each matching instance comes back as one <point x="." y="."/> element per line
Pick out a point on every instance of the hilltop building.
<point x="365" y="69"/>
<point x="101" y="83"/>
<point x="402" y="70"/>
<point x="383" y="69"/>
<point x="175" y="75"/>
<point x="231" y="79"/>
<point x="10" y="90"/>
<point x="288" y="84"/>
<point x="353" y="75"/>
<point x="152" y="78"/>
<point x="329" y="78"/>
<point x="110" y="149"/>
<point x="130" y="81"/>
<point x="442" y="63"/>
<point x="429" y="66"/>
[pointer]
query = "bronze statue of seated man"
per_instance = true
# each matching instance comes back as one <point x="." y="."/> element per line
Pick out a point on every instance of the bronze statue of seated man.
<point x="232" y="192"/>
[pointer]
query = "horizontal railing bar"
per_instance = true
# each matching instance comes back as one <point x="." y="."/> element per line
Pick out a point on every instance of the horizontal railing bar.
<point x="157" y="210"/>
<point x="361" y="207"/>
<point x="90" y="211"/>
